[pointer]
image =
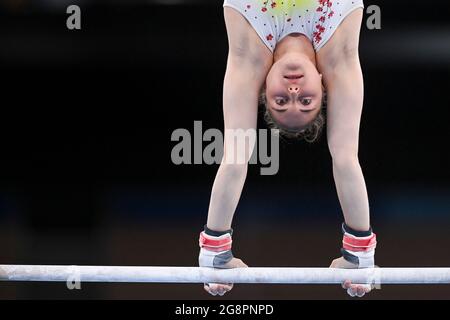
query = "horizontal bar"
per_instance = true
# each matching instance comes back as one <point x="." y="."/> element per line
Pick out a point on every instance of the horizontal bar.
<point x="240" y="275"/>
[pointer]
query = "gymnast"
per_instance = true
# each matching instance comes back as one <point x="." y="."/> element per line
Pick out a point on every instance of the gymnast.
<point x="290" y="53"/>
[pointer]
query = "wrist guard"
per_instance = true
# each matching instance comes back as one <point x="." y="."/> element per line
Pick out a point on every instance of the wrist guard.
<point x="359" y="247"/>
<point x="215" y="251"/>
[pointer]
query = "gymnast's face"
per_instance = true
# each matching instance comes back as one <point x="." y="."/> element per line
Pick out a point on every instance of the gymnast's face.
<point x="294" y="92"/>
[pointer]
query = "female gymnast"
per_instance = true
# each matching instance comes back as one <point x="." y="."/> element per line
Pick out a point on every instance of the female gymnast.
<point x="290" y="52"/>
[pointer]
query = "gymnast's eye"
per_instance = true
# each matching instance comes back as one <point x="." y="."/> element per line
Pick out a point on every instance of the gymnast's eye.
<point x="305" y="101"/>
<point x="280" y="101"/>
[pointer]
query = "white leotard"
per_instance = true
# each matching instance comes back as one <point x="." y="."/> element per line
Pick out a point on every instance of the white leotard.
<point x="275" y="19"/>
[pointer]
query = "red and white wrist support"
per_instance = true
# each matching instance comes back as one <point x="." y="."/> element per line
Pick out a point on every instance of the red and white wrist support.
<point x="214" y="251"/>
<point x="359" y="250"/>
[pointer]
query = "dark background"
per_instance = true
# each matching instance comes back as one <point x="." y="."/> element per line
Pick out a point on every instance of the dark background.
<point x="85" y="170"/>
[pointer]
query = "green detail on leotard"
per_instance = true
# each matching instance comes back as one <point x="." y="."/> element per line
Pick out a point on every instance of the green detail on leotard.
<point x="288" y="6"/>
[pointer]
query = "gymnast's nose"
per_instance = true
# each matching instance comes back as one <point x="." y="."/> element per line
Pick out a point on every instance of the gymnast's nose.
<point x="294" y="89"/>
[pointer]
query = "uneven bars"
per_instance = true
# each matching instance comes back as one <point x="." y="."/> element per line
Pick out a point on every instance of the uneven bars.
<point x="239" y="275"/>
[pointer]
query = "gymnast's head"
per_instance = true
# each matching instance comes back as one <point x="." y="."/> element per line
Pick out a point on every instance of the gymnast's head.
<point x="293" y="97"/>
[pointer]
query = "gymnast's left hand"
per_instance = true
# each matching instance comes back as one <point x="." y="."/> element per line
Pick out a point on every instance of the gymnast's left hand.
<point x="353" y="289"/>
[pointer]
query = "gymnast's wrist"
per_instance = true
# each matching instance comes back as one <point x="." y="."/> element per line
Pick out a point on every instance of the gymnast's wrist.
<point x="215" y="248"/>
<point x="358" y="247"/>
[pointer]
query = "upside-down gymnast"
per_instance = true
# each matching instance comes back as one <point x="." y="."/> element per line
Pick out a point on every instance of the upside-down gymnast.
<point x="290" y="52"/>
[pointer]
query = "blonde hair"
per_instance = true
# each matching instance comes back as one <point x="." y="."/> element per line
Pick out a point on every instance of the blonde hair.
<point x="310" y="134"/>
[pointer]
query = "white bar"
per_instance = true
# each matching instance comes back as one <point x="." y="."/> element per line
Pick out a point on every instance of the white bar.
<point x="240" y="275"/>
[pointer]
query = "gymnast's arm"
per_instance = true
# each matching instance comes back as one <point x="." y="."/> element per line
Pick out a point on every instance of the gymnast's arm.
<point x="338" y="61"/>
<point x="248" y="63"/>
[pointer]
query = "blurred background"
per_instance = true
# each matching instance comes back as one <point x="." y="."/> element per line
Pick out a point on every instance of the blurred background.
<point x="86" y="175"/>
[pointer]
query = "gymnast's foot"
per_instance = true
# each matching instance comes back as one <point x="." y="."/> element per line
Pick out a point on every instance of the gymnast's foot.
<point x="353" y="289"/>
<point x="222" y="288"/>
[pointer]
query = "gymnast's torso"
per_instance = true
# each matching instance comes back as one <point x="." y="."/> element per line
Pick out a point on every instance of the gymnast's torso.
<point x="275" y="19"/>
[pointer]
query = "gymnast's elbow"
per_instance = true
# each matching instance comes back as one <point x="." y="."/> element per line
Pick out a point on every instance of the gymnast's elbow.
<point x="344" y="160"/>
<point x="234" y="169"/>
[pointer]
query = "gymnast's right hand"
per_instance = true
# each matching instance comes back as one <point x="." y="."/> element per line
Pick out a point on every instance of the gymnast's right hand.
<point x="215" y="252"/>
<point x="222" y="288"/>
